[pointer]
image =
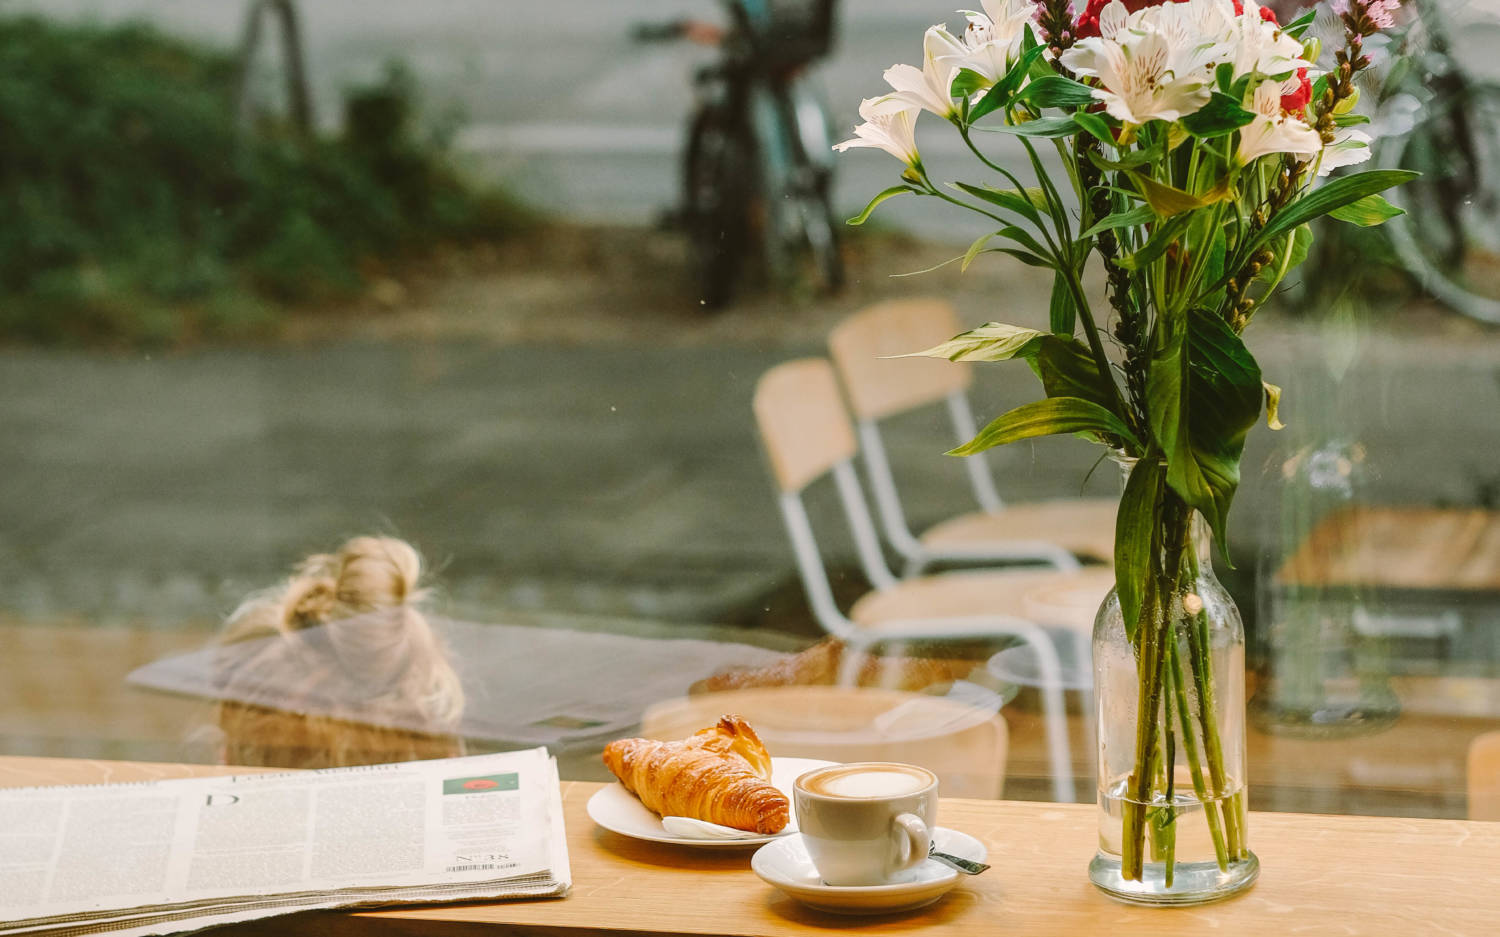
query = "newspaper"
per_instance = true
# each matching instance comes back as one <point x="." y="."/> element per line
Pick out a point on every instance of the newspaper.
<point x="161" y="857"/>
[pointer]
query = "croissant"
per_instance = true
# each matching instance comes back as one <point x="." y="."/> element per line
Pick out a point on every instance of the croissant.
<point x="721" y="774"/>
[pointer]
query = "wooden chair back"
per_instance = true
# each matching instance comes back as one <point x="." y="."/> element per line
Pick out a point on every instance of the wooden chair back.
<point x="1484" y="777"/>
<point x="964" y="746"/>
<point x="880" y="385"/>
<point x="802" y="421"/>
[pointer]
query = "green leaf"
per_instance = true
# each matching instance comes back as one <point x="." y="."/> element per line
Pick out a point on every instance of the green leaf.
<point x="1008" y="199"/>
<point x="1041" y="127"/>
<point x="1056" y="91"/>
<point x="1023" y="238"/>
<point x="1204" y="390"/>
<point x="1096" y="126"/>
<point x="1162" y="238"/>
<point x="1302" y="242"/>
<point x="1350" y="120"/>
<point x="1046" y="418"/>
<point x="892" y="192"/>
<point x="975" y="250"/>
<point x="1319" y="85"/>
<point x="1298" y="26"/>
<point x="1367" y="212"/>
<point x="1029" y="259"/>
<point x="1273" y="405"/>
<point x="993" y="341"/>
<point x="1004" y="90"/>
<point x="1062" y="314"/>
<point x="1339" y="192"/>
<point x="1067" y="369"/>
<point x="1224" y="78"/>
<point x="1139" y="215"/>
<point x="1134" y="525"/>
<point x="966" y="82"/>
<point x="1213" y="268"/>
<point x="1221" y="115"/>
<point x="1168" y="201"/>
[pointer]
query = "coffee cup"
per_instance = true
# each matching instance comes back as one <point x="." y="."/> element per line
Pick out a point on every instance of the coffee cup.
<point x="865" y="823"/>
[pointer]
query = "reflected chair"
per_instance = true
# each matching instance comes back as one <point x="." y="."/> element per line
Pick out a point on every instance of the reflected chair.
<point x="1484" y="777"/>
<point x="881" y="386"/>
<point x="806" y="434"/>
<point x="963" y="744"/>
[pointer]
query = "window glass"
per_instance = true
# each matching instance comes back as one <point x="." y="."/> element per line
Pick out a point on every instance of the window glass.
<point x="387" y="382"/>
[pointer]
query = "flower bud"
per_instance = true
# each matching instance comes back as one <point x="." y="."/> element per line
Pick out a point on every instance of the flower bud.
<point x="1345" y="105"/>
<point x="1312" y="48"/>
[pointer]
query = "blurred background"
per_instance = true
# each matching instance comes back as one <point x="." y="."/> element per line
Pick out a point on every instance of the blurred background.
<point x="499" y="280"/>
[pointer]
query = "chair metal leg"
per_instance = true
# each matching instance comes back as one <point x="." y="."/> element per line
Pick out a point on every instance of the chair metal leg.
<point x="1054" y="713"/>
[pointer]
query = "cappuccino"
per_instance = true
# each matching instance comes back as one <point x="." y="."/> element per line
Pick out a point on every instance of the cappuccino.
<point x="864" y="823"/>
<point x="867" y="780"/>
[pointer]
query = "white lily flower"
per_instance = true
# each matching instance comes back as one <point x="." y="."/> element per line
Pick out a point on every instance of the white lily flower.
<point x="1144" y="77"/>
<point x="1350" y="146"/>
<point x="991" y="41"/>
<point x="1200" y="30"/>
<point x="890" y="125"/>
<point x="1259" y="47"/>
<point x="1272" y="130"/>
<point x="931" y="86"/>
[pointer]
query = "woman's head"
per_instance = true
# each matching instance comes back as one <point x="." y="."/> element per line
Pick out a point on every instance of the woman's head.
<point x="342" y="640"/>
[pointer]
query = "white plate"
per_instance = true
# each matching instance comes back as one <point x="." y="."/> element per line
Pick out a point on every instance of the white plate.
<point x="619" y="811"/>
<point x="785" y="865"/>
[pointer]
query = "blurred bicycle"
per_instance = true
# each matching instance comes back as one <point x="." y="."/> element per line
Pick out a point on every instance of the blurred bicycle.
<point x="1442" y="121"/>
<point x="757" y="167"/>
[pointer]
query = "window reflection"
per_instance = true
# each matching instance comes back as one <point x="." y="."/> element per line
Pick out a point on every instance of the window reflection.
<point x="537" y="400"/>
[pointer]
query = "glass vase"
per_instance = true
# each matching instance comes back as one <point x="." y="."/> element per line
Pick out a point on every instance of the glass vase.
<point x="1321" y="674"/>
<point x="1170" y="701"/>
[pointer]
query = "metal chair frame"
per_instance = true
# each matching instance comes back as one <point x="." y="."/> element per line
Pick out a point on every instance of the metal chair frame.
<point x="859" y="640"/>
<point x="897" y="529"/>
<point x="877" y="390"/>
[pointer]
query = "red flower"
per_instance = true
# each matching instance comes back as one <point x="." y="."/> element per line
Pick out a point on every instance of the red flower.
<point x="1088" y="23"/>
<point x="1296" y="102"/>
<point x="1266" y="13"/>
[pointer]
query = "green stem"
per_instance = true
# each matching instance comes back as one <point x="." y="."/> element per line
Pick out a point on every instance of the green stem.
<point x="1178" y="692"/>
<point x="1202" y="669"/>
<point x="1011" y="178"/>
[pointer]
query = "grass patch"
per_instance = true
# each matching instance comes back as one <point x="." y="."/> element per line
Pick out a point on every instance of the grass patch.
<point x="132" y="211"/>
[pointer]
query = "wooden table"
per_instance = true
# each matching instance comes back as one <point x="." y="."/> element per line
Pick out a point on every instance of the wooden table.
<point x="1400" y="548"/>
<point x="1321" y="875"/>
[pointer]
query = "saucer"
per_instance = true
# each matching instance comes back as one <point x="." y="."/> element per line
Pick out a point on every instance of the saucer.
<point x="619" y="811"/>
<point x="785" y="864"/>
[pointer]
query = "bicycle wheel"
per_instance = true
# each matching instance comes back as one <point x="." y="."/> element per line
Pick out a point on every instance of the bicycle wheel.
<point x="717" y="185"/>
<point x="1449" y="237"/>
<point x="799" y="226"/>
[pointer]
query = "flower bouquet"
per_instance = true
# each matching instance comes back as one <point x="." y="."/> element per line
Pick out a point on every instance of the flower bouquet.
<point x="1185" y="144"/>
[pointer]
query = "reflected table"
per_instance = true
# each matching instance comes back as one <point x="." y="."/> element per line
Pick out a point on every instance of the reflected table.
<point x="1321" y="875"/>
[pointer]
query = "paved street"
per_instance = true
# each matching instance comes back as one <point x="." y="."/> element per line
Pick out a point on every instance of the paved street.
<point x="620" y="479"/>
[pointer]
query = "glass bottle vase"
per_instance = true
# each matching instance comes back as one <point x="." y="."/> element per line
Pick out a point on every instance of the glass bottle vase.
<point x="1170" y="708"/>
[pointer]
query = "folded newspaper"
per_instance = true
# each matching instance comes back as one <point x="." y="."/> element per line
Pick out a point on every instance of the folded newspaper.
<point x="162" y="857"/>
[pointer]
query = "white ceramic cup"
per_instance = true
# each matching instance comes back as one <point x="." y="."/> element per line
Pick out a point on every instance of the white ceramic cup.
<point x="863" y="823"/>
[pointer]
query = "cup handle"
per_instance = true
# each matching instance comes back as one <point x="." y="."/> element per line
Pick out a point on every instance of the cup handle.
<point x="913" y="841"/>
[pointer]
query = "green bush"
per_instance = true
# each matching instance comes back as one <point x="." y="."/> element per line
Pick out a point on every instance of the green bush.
<point x="131" y="209"/>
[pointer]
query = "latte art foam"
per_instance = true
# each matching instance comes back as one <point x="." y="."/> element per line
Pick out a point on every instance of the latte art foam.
<point x="867" y="782"/>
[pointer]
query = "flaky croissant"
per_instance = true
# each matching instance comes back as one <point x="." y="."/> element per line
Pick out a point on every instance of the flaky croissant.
<point x="720" y="774"/>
